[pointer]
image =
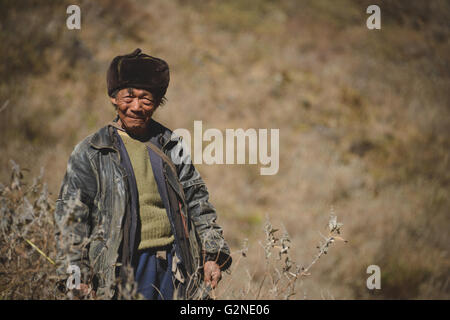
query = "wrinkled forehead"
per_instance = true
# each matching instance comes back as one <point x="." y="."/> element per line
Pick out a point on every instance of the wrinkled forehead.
<point x="135" y="92"/>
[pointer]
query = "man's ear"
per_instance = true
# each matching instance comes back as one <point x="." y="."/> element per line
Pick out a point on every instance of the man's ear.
<point x="113" y="100"/>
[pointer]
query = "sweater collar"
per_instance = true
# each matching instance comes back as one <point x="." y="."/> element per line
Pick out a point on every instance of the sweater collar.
<point x="104" y="138"/>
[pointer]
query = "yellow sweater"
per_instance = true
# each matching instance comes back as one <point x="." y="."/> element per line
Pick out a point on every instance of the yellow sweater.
<point x="155" y="225"/>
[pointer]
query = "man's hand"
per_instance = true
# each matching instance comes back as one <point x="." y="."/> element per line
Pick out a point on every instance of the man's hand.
<point x="85" y="291"/>
<point x="212" y="274"/>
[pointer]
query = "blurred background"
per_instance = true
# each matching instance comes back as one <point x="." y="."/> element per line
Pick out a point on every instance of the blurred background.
<point x="364" y="119"/>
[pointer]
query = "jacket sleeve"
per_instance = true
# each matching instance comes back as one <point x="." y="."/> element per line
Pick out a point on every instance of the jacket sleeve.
<point x="72" y="214"/>
<point x="201" y="211"/>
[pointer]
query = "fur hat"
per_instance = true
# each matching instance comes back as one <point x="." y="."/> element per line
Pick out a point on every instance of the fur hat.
<point x="140" y="71"/>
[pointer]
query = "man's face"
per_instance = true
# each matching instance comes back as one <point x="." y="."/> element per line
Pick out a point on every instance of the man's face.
<point x="135" y="108"/>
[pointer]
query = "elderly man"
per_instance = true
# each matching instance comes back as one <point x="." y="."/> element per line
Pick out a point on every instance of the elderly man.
<point x="131" y="199"/>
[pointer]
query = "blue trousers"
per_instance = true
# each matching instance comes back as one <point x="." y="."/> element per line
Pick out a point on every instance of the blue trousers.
<point x="153" y="274"/>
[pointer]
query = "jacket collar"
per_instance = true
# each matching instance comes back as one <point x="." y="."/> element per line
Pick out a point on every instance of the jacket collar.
<point x="104" y="137"/>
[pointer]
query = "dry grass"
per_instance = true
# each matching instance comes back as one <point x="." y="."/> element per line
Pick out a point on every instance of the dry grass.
<point x="28" y="253"/>
<point x="26" y="240"/>
<point x="363" y="118"/>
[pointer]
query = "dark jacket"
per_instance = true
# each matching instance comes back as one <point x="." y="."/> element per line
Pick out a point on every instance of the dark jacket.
<point x="96" y="201"/>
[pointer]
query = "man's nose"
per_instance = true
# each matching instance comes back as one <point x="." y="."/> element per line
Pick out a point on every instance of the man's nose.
<point x="135" y="105"/>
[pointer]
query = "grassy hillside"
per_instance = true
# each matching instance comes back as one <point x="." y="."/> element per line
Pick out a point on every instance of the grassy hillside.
<point x="363" y="117"/>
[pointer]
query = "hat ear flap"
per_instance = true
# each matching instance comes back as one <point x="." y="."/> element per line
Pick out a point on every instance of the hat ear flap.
<point x="113" y="75"/>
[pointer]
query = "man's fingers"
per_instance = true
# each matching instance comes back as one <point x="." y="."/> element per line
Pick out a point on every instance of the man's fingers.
<point x="207" y="279"/>
<point x="216" y="276"/>
<point x="207" y="272"/>
<point x="84" y="289"/>
<point x="212" y="273"/>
